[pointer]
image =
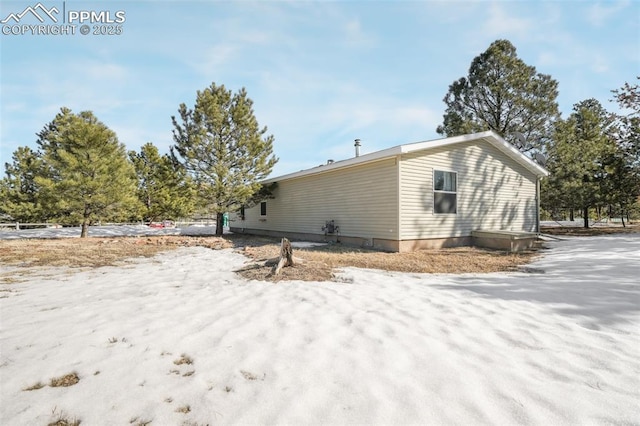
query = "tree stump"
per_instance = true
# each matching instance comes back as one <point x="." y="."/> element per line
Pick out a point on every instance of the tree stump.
<point x="286" y="257"/>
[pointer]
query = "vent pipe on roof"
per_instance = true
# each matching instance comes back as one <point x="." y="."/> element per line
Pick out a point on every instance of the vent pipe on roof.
<point x="357" y="145"/>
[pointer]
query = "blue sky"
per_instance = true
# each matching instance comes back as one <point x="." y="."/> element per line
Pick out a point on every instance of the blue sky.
<point x="321" y="74"/>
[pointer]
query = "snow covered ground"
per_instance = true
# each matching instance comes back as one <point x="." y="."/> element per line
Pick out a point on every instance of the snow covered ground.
<point x="181" y="339"/>
<point x="104" y="231"/>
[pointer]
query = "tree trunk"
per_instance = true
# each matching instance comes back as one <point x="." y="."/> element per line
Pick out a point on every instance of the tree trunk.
<point x="85" y="222"/>
<point x="219" y="224"/>
<point x="286" y="257"/>
<point x="622" y="216"/>
<point x="585" y="214"/>
<point x="85" y="228"/>
<point x="571" y="215"/>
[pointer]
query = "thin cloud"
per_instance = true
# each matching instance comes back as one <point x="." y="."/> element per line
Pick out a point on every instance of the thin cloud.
<point x="599" y="64"/>
<point x="356" y="36"/>
<point x="103" y="71"/>
<point x="214" y="59"/>
<point x="501" y="23"/>
<point x="601" y="14"/>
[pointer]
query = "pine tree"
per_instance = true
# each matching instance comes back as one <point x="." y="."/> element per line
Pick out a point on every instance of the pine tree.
<point x="86" y="175"/>
<point x="164" y="188"/>
<point x="579" y="160"/>
<point x="18" y="190"/>
<point x="624" y="188"/>
<point x="220" y="143"/>
<point x="504" y="94"/>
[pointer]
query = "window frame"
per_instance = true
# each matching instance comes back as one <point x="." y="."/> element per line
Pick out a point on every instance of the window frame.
<point x="442" y="191"/>
<point x="263" y="209"/>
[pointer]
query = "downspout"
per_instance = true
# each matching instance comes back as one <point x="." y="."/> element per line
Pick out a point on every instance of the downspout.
<point x="538" y="179"/>
<point x="399" y="201"/>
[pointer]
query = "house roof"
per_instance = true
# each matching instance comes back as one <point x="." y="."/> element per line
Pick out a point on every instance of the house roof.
<point x="488" y="136"/>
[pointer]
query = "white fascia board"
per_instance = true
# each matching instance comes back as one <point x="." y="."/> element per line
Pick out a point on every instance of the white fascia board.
<point x="436" y="143"/>
<point x="517" y="155"/>
<point x="489" y="136"/>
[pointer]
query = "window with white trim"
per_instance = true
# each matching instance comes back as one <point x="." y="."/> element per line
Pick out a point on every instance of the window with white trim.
<point x="445" y="192"/>
<point x="263" y="208"/>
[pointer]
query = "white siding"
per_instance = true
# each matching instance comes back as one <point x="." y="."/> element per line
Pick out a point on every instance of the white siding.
<point x="362" y="200"/>
<point x="494" y="192"/>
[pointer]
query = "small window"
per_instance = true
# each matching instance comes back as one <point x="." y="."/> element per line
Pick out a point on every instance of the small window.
<point x="242" y="213"/>
<point x="263" y="208"/>
<point x="445" y="197"/>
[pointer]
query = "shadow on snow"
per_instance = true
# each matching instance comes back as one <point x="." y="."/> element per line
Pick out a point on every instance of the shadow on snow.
<point x="596" y="279"/>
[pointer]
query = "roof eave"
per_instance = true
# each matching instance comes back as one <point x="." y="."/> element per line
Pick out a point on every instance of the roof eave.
<point x="517" y="155"/>
<point x="362" y="159"/>
<point x="489" y="136"/>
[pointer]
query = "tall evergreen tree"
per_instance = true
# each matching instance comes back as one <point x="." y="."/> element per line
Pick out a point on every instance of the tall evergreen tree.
<point x="86" y="175"/>
<point x="221" y="145"/>
<point x="18" y="189"/>
<point x="164" y="188"/>
<point x="628" y="96"/>
<point x="579" y="160"/>
<point x="624" y="188"/>
<point x="504" y="94"/>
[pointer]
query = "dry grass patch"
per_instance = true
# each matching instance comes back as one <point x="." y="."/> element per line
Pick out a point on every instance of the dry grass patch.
<point x="95" y="252"/>
<point x="576" y="231"/>
<point x="10" y="278"/>
<point x="64" y="381"/>
<point x="250" y="376"/>
<point x="312" y="264"/>
<point x="184" y="359"/>
<point x="317" y="263"/>
<point x="37" y="386"/>
<point x="63" y="419"/>
<point x="136" y="421"/>
<point x="184" y="409"/>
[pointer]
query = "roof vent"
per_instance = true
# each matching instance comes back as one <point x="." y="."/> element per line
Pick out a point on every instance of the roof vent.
<point x="357" y="145"/>
<point x="330" y="161"/>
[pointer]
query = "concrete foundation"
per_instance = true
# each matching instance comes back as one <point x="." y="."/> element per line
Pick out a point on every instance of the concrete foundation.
<point x="512" y="241"/>
<point x="501" y="240"/>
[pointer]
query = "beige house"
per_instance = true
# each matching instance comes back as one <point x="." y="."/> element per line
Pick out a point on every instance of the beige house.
<point x="463" y="190"/>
